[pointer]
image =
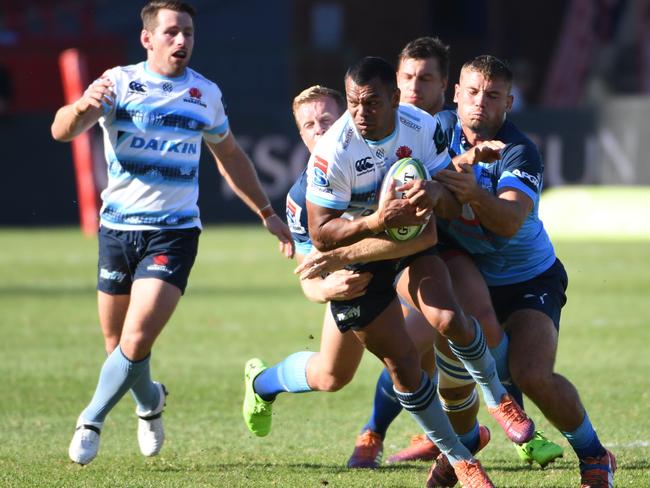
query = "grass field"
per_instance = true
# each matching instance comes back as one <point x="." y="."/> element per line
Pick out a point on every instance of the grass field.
<point x="243" y="301"/>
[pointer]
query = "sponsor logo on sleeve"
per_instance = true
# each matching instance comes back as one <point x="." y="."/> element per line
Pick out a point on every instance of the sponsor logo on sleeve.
<point x="410" y="123"/>
<point x="320" y="172"/>
<point x="294" y="212"/>
<point x="527" y="178"/>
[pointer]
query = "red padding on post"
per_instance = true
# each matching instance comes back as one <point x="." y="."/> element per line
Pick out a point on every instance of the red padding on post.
<point x="74" y="76"/>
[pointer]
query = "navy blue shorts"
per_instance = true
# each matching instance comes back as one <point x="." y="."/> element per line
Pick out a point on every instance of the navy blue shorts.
<point x="127" y="255"/>
<point x="546" y="293"/>
<point x="357" y="313"/>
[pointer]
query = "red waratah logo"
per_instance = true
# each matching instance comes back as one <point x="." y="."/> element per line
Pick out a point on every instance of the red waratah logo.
<point x="160" y="260"/>
<point x="195" y="93"/>
<point x="403" y="152"/>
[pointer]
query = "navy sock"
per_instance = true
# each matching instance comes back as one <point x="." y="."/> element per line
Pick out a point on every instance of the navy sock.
<point x="386" y="406"/>
<point x="500" y="355"/>
<point x="584" y="440"/>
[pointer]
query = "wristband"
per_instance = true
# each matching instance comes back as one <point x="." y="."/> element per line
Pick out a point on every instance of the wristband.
<point x="266" y="212"/>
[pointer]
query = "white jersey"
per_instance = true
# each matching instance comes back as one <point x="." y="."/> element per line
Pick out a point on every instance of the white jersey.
<point x="345" y="170"/>
<point x="152" y="144"/>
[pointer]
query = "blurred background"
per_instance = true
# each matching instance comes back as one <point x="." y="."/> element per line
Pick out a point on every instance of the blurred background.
<point x="582" y="84"/>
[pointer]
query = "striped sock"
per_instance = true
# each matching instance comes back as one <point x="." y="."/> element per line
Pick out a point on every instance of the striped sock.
<point x="480" y="364"/>
<point x="425" y="408"/>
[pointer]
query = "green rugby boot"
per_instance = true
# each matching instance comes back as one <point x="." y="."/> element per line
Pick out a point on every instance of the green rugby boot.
<point x="539" y="449"/>
<point x="257" y="412"/>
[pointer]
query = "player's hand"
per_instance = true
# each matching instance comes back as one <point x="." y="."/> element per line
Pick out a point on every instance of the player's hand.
<point x="318" y="263"/>
<point x="98" y="92"/>
<point x="279" y="229"/>
<point x="394" y="212"/>
<point x="462" y="184"/>
<point x="483" y="152"/>
<point x="423" y="194"/>
<point x="346" y="285"/>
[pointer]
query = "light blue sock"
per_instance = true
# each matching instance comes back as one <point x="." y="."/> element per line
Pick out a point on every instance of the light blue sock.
<point x="500" y="355"/>
<point x="144" y="392"/>
<point x="289" y="375"/>
<point x="480" y="364"/>
<point x="386" y="406"/>
<point x="118" y="374"/>
<point x="425" y="408"/>
<point x="584" y="440"/>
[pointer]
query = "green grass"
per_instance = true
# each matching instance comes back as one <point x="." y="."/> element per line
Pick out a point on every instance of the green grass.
<point x="243" y="301"/>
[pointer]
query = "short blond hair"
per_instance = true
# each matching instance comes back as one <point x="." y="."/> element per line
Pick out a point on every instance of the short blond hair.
<point x="315" y="92"/>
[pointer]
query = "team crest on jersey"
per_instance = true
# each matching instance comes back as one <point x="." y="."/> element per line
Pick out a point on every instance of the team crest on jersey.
<point x="195" y="97"/>
<point x="403" y="152"/>
<point x="167" y="87"/>
<point x="320" y="172"/>
<point x="294" y="213"/>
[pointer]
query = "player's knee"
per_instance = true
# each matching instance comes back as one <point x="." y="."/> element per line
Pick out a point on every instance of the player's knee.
<point x="330" y="382"/>
<point x="446" y="321"/>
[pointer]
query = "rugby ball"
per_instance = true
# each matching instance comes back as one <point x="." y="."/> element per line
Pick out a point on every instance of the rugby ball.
<point x="404" y="170"/>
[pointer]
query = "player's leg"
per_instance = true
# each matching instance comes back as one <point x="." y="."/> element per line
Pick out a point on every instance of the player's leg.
<point x="430" y="289"/>
<point x="533" y="316"/>
<point x="387" y="339"/>
<point x="329" y="369"/>
<point x="112" y="311"/>
<point x="386" y="406"/>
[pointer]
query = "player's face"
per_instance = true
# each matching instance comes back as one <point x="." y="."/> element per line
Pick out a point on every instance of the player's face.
<point x="482" y="102"/>
<point x="372" y="107"/>
<point x="314" y="118"/>
<point x="169" y="46"/>
<point x="421" y="83"/>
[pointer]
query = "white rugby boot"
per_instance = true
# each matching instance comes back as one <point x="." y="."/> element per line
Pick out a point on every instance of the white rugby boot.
<point x="85" y="442"/>
<point x="151" y="433"/>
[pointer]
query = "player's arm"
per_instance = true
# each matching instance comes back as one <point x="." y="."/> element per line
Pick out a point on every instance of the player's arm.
<point x="71" y="120"/>
<point x="238" y="170"/>
<point x="376" y="248"/>
<point x="503" y="214"/>
<point x="339" y="285"/>
<point x="328" y="230"/>
<point x="431" y="196"/>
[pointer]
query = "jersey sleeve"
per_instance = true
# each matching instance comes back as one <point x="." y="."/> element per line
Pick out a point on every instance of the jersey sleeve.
<point x="522" y="170"/>
<point x="117" y="77"/>
<point x="435" y="151"/>
<point x="329" y="185"/>
<point x="297" y="215"/>
<point x="219" y="127"/>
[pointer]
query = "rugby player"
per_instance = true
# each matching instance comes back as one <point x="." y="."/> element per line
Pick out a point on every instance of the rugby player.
<point x="154" y="115"/>
<point x="501" y="230"/>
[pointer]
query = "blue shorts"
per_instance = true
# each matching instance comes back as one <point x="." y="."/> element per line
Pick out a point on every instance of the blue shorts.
<point x="546" y="293"/>
<point x="357" y="313"/>
<point x="125" y="256"/>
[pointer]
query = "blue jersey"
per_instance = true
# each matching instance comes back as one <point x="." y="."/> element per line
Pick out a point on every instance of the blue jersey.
<point x="297" y="214"/>
<point x="502" y="260"/>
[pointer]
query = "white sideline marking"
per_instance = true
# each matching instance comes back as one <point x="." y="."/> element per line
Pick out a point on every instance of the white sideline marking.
<point x="630" y="444"/>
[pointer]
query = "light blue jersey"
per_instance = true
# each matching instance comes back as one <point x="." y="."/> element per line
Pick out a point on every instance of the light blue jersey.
<point x="152" y="145"/>
<point x="502" y="260"/>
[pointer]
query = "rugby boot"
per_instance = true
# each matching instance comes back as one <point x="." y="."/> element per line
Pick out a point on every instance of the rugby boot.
<point x="257" y="412"/>
<point x="368" y="450"/>
<point x="420" y="449"/>
<point x="513" y="420"/>
<point x="85" y="442"/>
<point x="472" y="475"/>
<point x="539" y="449"/>
<point x="598" y="472"/>
<point x="442" y="473"/>
<point x="151" y="433"/>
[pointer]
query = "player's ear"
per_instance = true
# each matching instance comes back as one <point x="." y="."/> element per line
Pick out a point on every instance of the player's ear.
<point x="445" y="82"/>
<point x="145" y="39"/>
<point x="509" y="101"/>
<point x="456" y="92"/>
<point x="396" y="96"/>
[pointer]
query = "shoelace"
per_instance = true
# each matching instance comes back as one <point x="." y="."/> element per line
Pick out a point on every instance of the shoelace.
<point x="595" y="475"/>
<point x="474" y="474"/>
<point x="511" y="412"/>
<point x="368" y="441"/>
